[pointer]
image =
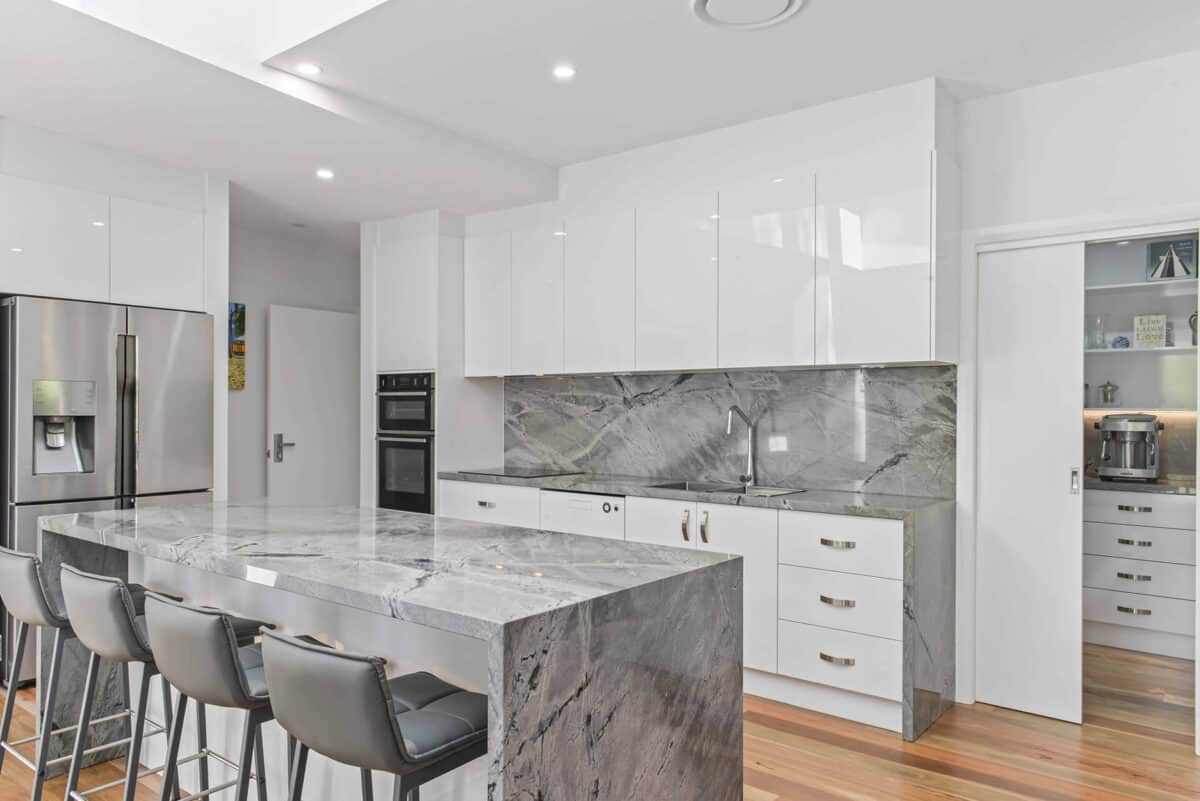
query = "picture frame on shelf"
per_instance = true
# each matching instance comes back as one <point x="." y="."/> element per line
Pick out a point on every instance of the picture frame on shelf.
<point x="1170" y="260"/>
<point x="1150" y="331"/>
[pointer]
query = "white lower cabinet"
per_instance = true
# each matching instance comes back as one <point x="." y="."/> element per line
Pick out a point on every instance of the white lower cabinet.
<point x="490" y="503"/>
<point x="660" y="522"/>
<point x="857" y="662"/>
<point x="862" y="604"/>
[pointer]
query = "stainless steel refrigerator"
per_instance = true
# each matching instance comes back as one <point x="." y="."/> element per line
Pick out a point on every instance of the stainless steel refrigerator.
<point x="103" y="407"/>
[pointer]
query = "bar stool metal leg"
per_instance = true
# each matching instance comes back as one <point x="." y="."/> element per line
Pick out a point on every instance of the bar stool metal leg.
<point x="250" y="739"/>
<point x="167" y="718"/>
<point x="171" y="767"/>
<point x="132" y="764"/>
<point x="202" y="742"/>
<point x="260" y="766"/>
<point x="43" y="750"/>
<point x="11" y="698"/>
<point x="299" y="765"/>
<point x="85" y="716"/>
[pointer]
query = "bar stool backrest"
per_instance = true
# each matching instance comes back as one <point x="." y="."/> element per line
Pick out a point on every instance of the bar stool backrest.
<point x="196" y="650"/>
<point x="103" y="616"/>
<point x="23" y="590"/>
<point x="336" y="703"/>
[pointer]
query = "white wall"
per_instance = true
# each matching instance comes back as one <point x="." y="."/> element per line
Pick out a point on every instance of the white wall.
<point x="292" y="268"/>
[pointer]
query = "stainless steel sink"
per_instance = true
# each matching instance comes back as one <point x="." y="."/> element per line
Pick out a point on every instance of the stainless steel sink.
<point x="733" y="489"/>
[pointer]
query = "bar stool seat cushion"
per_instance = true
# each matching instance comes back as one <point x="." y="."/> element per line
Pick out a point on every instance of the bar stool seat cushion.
<point x="435" y="717"/>
<point x="251" y="659"/>
<point x="23" y="590"/>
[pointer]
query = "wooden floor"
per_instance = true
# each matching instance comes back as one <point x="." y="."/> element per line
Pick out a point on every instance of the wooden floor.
<point x="1135" y="745"/>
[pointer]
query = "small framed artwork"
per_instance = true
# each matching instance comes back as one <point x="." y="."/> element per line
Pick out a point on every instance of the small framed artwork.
<point x="1171" y="260"/>
<point x="237" y="345"/>
<point x="1150" y="331"/>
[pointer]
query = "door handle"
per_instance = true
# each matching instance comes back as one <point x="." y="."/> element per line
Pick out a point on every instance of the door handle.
<point x="683" y="524"/>
<point x="704" y="528"/>
<point x="279" y="445"/>
<point x="1074" y="480"/>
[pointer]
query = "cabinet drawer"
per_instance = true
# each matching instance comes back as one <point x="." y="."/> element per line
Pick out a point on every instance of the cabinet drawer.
<point x="1141" y="611"/>
<point x="862" y="604"/>
<point x="1140" y="509"/>
<point x="857" y="662"/>
<point x="1135" y="575"/>
<point x="490" y="503"/>
<point x="1140" y="542"/>
<point x="864" y="545"/>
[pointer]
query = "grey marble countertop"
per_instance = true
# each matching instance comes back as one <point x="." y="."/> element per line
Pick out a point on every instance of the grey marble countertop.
<point x="1164" y="486"/>
<point x="865" y="504"/>
<point x="456" y="575"/>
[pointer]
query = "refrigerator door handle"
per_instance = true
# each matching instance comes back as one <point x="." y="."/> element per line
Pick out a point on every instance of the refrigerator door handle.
<point x="127" y="378"/>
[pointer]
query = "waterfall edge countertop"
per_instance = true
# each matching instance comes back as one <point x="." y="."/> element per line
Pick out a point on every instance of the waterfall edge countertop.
<point x="863" y="504"/>
<point x="422" y="569"/>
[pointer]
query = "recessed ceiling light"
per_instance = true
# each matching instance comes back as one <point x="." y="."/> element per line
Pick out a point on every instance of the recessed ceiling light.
<point x="308" y="69"/>
<point x="560" y="233"/>
<point x="564" y="72"/>
<point x="98" y="223"/>
<point x="325" y="174"/>
<point x="1123" y="242"/>
<point x="17" y="250"/>
<point x="745" y="15"/>
<point x="776" y="180"/>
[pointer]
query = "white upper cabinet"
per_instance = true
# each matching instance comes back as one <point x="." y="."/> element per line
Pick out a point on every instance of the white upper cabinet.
<point x="406" y="289"/>
<point x="157" y="255"/>
<point x="53" y="240"/>
<point x="486" y="304"/>
<point x="767" y="237"/>
<point x="599" y="293"/>
<point x="677" y="284"/>
<point x="874" y="259"/>
<point x="537" y="300"/>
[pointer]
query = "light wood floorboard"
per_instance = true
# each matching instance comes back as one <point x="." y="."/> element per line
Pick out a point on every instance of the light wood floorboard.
<point x="1135" y="745"/>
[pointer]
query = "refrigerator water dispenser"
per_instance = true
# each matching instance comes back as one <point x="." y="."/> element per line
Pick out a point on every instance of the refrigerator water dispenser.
<point x="64" y="427"/>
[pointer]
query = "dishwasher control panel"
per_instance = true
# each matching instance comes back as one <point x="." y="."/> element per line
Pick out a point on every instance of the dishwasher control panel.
<point x="584" y="513"/>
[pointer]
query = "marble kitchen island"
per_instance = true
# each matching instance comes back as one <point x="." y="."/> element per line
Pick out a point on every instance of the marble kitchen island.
<point x="613" y="669"/>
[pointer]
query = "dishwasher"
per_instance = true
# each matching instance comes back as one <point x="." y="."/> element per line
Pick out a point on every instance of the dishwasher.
<point x="584" y="513"/>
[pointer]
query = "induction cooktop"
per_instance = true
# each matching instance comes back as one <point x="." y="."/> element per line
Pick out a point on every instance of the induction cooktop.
<point x="522" y="472"/>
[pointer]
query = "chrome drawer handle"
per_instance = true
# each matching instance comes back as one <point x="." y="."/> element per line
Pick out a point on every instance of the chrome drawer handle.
<point x="704" y="527"/>
<point x="1129" y="610"/>
<point x="840" y="603"/>
<point x="1138" y="543"/>
<point x="1121" y="507"/>
<point x="486" y="504"/>
<point x="842" y="661"/>
<point x="1132" y="577"/>
<point x="683" y="524"/>
<point x="841" y="545"/>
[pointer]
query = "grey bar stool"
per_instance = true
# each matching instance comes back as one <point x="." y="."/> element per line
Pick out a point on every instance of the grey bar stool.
<point x="107" y="616"/>
<point x="23" y="589"/>
<point x="209" y="656"/>
<point x="342" y="705"/>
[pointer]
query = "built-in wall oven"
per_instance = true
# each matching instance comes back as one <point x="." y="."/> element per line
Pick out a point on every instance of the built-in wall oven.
<point x="404" y="441"/>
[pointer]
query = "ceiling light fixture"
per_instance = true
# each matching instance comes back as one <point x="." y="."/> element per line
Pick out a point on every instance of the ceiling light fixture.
<point x="308" y="69"/>
<point x="745" y="15"/>
<point x="17" y="250"/>
<point x="325" y="174"/>
<point x="98" y="223"/>
<point x="1123" y="242"/>
<point x="564" y="72"/>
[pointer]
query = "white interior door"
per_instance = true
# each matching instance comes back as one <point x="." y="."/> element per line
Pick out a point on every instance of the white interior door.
<point x="312" y="406"/>
<point x="1029" y="558"/>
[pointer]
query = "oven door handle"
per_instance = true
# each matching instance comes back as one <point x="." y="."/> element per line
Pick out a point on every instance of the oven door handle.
<point x="415" y="394"/>
<point x="415" y="440"/>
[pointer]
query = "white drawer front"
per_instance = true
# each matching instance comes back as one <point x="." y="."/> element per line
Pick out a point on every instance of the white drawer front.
<point x="864" y="545"/>
<point x="870" y="665"/>
<point x="1134" y="575"/>
<point x="1140" y="509"/>
<point x="1140" y="542"/>
<point x="490" y="503"/>
<point x="862" y="604"/>
<point x="1142" y="611"/>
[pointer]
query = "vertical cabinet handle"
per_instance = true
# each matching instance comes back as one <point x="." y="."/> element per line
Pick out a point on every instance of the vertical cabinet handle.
<point x="684" y="523"/>
<point x="1075" y="480"/>
<point x="704" y="528"/>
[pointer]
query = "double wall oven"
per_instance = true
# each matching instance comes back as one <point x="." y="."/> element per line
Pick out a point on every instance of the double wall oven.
<point x="404" y="425"/>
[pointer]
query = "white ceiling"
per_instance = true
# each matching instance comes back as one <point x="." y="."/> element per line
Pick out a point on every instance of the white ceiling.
<point x="649" y="71"/>
<point x="450" y="103"/>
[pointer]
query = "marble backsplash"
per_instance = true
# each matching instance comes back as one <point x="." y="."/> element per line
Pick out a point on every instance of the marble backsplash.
<point x="886" y="429"/>
<point x="1177" y="442"/>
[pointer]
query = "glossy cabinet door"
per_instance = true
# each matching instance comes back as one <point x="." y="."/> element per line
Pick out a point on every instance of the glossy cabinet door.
<point x="677" y="284"/>
<point x="752" y="534"/>
<point x="406" y="295"/>
<point x="599" y="293"/>
<point x="53" y="240"/>
<point x="767" y="238"/>
<point x="157" y="255"/>
<point x="660" y="522"/>
<point x="874" y="259"/>
<point x="537" y="300"/>
<point x="1029" y="608"/>
<point x="486" y="304"/>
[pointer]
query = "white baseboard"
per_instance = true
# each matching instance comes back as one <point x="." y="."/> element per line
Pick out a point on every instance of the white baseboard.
<point x="1161" y="643"/>
<point x="867" y="709"/>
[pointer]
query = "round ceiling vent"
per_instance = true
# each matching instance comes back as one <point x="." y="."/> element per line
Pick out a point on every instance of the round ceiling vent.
<point x="745" y="15"/>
